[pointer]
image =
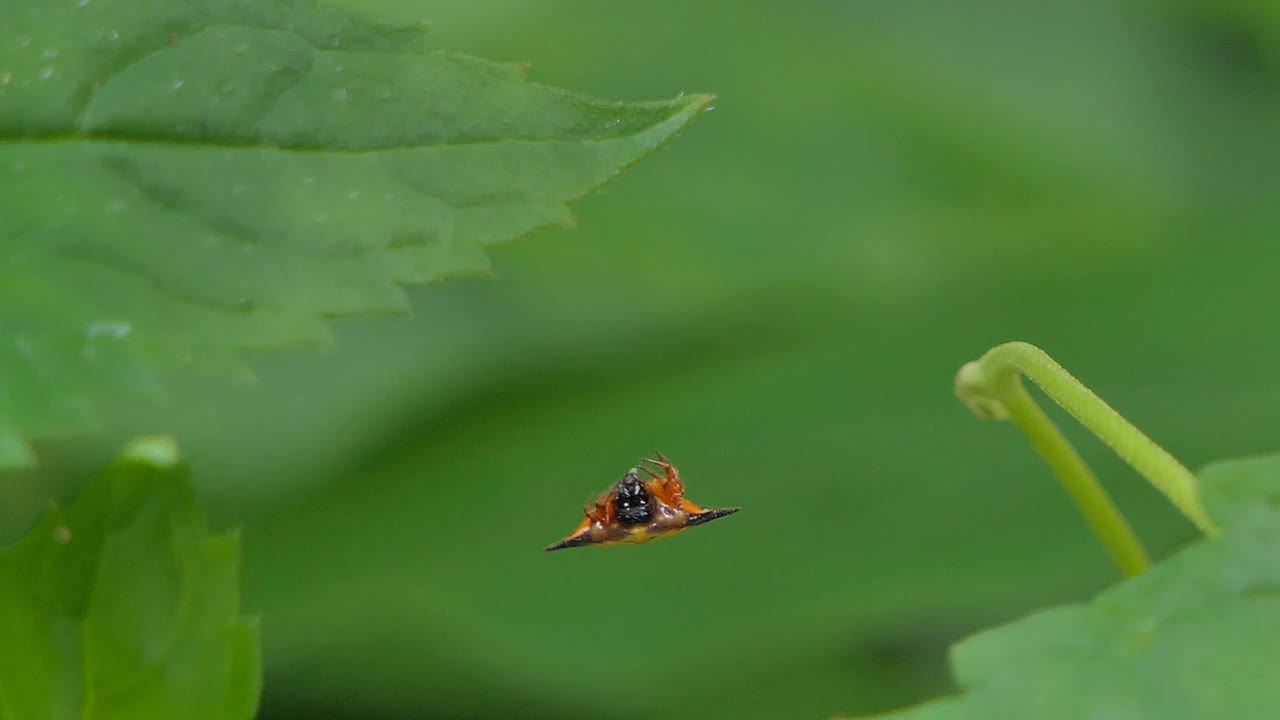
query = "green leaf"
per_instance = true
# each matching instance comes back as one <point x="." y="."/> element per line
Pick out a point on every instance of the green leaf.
<point x="124" y="606"/>
<point x="1195" y="637"/>
<point x="184" y="180"/>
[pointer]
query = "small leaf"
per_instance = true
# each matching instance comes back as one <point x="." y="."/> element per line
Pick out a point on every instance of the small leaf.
<point x="1198" y="636"/>
<point x="124" y="606"/>
<point x="184" y="180"/>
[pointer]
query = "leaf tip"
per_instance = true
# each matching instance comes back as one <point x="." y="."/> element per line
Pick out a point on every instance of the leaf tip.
<point x="701" y="102"/>
<point x="158" y="450"/>
<point x="15" y="452"/>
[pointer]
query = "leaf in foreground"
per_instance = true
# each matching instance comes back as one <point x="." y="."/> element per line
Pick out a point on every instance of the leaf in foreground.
<point x="1198" y="636"/>
<point x="184" y="180"/>
<point x="124" y="606"/>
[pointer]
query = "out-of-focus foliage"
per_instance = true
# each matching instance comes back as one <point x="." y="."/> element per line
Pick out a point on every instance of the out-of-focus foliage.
<point x="185" y="180"/>
<point x="1194" y="637"/>
<point x="123" y="606"/>
<point x="885" y="190"/>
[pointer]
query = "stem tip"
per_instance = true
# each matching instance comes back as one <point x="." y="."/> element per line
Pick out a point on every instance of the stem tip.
<point x="973" y="389"/>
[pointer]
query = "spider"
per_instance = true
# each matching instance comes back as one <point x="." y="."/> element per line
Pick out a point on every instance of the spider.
<point x="638" y="509"/>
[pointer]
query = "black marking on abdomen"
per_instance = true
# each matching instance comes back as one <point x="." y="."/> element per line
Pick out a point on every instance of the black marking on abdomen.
<point x="634" y="505"/>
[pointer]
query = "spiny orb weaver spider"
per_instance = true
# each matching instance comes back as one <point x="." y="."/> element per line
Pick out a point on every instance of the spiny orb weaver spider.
<point x="637" y="509"/>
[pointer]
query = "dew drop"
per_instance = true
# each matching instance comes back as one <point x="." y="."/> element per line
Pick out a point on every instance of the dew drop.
<point x="46" y="73"/>
<point x="50" y="53"/>
<point x="6" y="77"/>
<point x="340" y="94"/>
<point x="62" y="533"/>
<point x="177" y="84"/>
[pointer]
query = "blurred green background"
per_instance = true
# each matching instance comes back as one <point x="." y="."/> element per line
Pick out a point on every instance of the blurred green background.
<point x="778" y="301"/>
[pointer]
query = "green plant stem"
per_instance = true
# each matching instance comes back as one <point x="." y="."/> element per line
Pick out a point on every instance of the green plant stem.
<point x="1106" y="521"/>
<point x="993" y="389"/>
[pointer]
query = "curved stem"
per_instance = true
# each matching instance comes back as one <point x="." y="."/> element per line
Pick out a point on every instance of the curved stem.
<point x="991" y="387"/>
<point x="1106" y="521"/>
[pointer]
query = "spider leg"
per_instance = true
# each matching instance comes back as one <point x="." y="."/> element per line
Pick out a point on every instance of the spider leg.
<point x="599" y="510"/>
<point x="665" y="465"/>
<point x="651" y="473"/>
<point x="670" y="480"/>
